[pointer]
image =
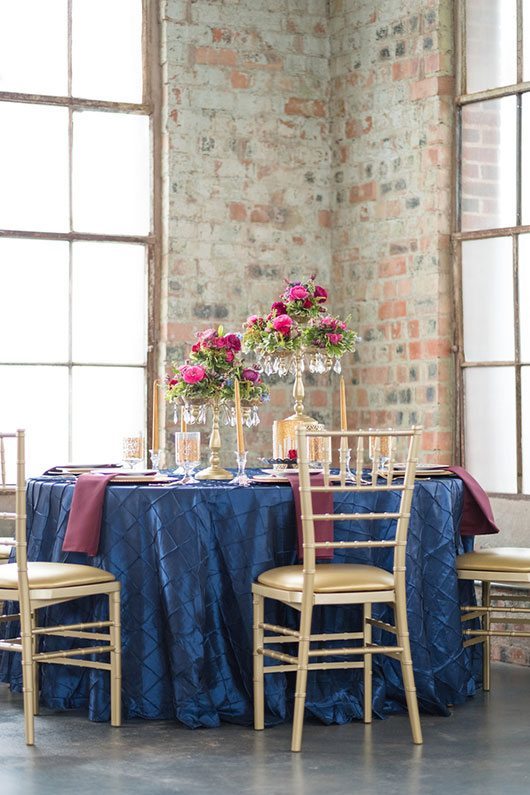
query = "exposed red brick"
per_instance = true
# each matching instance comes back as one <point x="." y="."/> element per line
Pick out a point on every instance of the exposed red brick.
<point x="260" y="214"/>
<point x="392" y="267"/>
<point x="239" y="79"/>
<point x="215" y="57"/>
<point x="437" y="347"/>
<point x="390" y="309"/>
<point x="432" y="87"/>
<point x="413" y="327"/>
<point x="238" y="211"/>
<point x="362" y="193"/>
<point x="357" y="127"/>
<point x="404" y="70"/>
<point x="415" y="350"/>
<point x="324" y="218"/>
<point x="305" y="107"/>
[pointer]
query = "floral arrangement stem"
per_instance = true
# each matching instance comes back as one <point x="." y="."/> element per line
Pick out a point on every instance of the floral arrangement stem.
<point x="214" y="471"/>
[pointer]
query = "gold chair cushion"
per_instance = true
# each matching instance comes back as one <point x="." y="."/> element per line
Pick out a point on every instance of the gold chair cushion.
<point x="4" y="551"/>
<point x="330" y="578"/>
<point x="509" y="559"/>
<point x="54" y="575"/>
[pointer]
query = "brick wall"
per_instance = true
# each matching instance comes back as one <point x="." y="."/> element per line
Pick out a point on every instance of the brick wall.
<point x="391" y="121"/>
<point x="247" y="159"/>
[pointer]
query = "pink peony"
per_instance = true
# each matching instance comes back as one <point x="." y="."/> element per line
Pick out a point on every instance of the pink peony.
<point x="282" y="323"/>
<point x="334" y="338"/>
<point x="248" y="374"/>
<point x="298" y="293"/>
<point x="192" y="373"/>
<point x="279" y="307"/>
<point x="321" y="294"/>
<point x="232" y="342"/>
<point x="252" y="320"/>
<point x="218" y="342"/>
<point x="204" y="336"/>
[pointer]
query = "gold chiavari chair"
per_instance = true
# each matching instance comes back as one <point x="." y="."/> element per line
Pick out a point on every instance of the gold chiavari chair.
<point x="303" y="587"/>
<point x="37" y="585"/>
<point x="495" y="567"/>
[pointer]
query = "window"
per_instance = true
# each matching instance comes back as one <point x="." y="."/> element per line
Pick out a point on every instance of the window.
<point x="492" y="242"/>
<point x="77" y="224"/>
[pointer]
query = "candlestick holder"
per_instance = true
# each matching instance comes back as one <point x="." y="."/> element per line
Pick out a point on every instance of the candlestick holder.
<point x="241" y="479"/>
<point x="345" y="472"/>
<point x="214" y="471"/>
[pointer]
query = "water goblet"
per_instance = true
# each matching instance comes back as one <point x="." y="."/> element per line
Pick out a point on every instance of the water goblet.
<point x="133" y="449"/>
<point x="187" y="454"/>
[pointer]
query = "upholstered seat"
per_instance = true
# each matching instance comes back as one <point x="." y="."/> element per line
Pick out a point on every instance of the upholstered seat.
<point x="501" y="559"/>
<point x="54" y="575"/>
<point x="338" y="578"/>
<point x="4" y="552"/>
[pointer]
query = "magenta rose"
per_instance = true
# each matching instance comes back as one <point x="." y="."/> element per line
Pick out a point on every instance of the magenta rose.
<point x="229" y="356"/>
<point x="292" y="455"/>
<point x="218" y="342"/>
<point x="252" y="320"/>
<point x="334" y="338"/>
<point x="248" y="374"/>
<point x="232" y="342"/>
<point x="321" y="293"/>
<point x="298" y="293"/>
<point x="282" y="323"/>
<point x="192" y="373"/>
<point x="279" y="307"/>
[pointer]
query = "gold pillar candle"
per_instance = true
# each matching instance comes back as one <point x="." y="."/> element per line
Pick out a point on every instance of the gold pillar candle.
<point x="239" y="418"/>
<point x="156" y="429"/>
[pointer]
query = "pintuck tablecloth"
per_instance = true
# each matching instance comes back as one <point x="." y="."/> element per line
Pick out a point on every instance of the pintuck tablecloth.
<point x="186" y="557"/>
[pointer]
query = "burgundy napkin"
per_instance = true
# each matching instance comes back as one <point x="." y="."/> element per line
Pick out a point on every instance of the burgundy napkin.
<point x="477" y="516"/>
<point x="322" y="503"/>
<point x="84" y="522"/>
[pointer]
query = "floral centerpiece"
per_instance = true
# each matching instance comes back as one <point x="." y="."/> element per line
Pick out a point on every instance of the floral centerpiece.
<point x="208" y="374"/>
<point x="298" y="326"/>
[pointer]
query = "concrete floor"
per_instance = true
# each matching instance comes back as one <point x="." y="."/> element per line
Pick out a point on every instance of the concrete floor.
<point x="482" y="748"/>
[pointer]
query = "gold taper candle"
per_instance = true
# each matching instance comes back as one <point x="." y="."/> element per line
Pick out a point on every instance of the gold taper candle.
<point x="183" y="423"/>
<point x="239" y="418"/>
<point x="343" y="418"/>
<point x="156" y="430"/>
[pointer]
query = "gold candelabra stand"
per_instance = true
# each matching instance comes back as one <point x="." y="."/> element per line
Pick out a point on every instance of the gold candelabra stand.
<point x="214" y="471"/>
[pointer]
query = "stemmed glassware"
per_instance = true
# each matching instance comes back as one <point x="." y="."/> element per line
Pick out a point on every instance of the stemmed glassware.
<point x="379" y="450"/>
<point x="133" y="449"/>
<point x="187" y="454"/>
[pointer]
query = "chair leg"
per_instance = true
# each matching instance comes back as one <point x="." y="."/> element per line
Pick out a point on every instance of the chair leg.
<point x="27" y="679"/>
<point x="258" y="663"/>
<point x="407" y="672"/>
<point x="301" y="677"/>
<point x="486" y="648"/>
<point x="367" y="629"/>
<point x="35" y="648"/>
<point x="115" y="659"/>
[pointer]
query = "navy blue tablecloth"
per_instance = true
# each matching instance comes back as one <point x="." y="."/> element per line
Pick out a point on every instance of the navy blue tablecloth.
<point x="186" y="557"/>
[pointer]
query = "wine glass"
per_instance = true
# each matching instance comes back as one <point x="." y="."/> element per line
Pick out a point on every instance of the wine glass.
<point x="380" y="449"/>
<point x="133" y="449"/>
<point x="187" y="454"/>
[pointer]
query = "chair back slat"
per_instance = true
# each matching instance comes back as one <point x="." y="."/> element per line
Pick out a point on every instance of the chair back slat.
<point x="20" y="518"/>
<point x="371" y="442"/>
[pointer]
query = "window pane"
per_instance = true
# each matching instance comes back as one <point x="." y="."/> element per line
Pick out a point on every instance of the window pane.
<point x="33" y="167"/>
<point x="525" y="399"/>
<point x="33" y="47"/>
<point x="488" y="164"/>
<point x="524" y="296"/>
<point x="108" y="403"/>
<point x="526" y="39"/>
<point x="490" y="427"/>
<point x="111" y="180"/>
<point x="491" y="44"/>
<point x="113" y="29"/>
<point x="525" y="157"/>
<point x="109" y="303"/>
<point x="487" y="295"/>
<point x="34" y="290"/>
<point x="36" y="398"/>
